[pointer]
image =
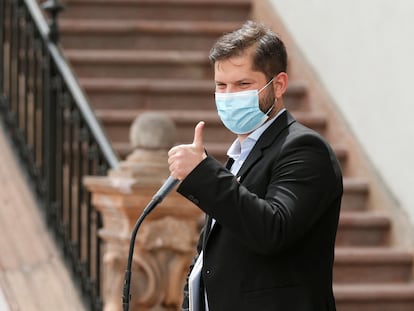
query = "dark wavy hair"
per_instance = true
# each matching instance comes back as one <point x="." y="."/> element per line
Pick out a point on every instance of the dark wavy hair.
<point x="270" y="55"/>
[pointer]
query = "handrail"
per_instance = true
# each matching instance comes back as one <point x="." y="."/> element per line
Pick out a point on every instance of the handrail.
<point x="73" y="85"/>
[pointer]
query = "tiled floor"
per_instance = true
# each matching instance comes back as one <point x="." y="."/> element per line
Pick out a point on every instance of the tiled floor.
<point x="33" y="276"/>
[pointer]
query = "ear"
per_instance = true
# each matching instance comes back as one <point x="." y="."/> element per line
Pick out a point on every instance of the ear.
<point x="280" y="83"/>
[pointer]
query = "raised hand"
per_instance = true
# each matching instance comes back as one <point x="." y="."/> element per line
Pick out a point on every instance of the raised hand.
<point x="183" y="159"/>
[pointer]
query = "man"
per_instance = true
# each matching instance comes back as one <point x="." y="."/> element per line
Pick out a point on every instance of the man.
<point x="272" y="212"/>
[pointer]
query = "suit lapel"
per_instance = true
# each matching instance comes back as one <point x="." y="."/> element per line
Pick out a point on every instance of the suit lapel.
<point x="265" y="140"/>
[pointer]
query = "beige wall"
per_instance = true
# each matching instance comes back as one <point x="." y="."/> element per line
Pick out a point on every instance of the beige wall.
<point x="363" y="52"/>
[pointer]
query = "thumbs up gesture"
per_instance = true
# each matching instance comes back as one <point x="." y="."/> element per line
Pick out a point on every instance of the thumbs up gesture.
<point x="183" y="159"/>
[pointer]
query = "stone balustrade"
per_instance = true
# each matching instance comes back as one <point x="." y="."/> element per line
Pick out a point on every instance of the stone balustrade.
<point x="165" y="244"/>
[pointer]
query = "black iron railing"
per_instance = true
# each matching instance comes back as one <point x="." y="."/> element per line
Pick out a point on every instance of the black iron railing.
<point x="55" y="132"/>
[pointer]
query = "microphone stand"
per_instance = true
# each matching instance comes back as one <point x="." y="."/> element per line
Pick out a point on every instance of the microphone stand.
<point x="156" y="199"/>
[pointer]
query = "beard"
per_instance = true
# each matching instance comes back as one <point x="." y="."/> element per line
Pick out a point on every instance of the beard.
<point x="267" y="102"/>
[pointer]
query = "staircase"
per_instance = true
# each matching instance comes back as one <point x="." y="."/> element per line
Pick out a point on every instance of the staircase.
<point x="133" y="56"/>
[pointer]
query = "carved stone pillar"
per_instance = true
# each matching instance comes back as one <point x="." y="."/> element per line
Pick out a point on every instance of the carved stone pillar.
<point x="165" y="243"/>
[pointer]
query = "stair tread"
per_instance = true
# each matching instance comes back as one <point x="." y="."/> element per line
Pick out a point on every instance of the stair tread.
<point x="363" y="292"/>
<point x="217" y="10"/>
<point x="160" y="2"/>
<point x="136" y="56"/>
<point x="356" y="184"/>
<point x="365" y="219"/>
<point x="372" y="255"/>
<point x="67" y="25"/>
<point x="209" y="116"/>
<point x="157" y="85"/>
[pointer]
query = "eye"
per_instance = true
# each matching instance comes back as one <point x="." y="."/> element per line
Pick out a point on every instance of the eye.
<point x="244" y="84"/>
<point x="220" y="86"/>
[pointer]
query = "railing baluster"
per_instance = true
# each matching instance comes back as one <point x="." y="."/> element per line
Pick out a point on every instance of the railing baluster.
<point x="2" y="41"/>
<point x="64" y="104"/>
<point x="102" y="168"/>
<point x="93" y="247"/>
<point x="48" y="129"/>
<point x="38" y="116"/>
<point x="59" y="154"/>
<point x="70" y="160"/>
<point x="20" y="70"/>
<point x="27" y="74"/>
<point x="79" y="174"/>
<point x="18" y="44"/>
<point x="77" y="197"/>
<point x="85" y="215"/>
<point x="12" y="53"/>
<point x="31" y="79"/>
<point x="90" y="154"/>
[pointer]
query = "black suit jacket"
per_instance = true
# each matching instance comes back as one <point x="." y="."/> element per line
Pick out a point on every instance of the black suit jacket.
<point x="272" y="246"/>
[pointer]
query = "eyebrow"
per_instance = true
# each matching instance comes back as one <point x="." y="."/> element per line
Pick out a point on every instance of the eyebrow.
<point x="238" y="81"/>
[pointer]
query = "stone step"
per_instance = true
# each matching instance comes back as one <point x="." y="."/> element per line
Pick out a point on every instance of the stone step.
<point x="363" y="228"/>
<point x="356" y="195"/>
<point x="374" y="297"/>
<point x="118" y="122"/>
<point x="142" y="34"/>
<point x="372" y="265"/>
<point x="140" y="64"/>
<point x="211" y="10"/>
<point x="166" y="94"/>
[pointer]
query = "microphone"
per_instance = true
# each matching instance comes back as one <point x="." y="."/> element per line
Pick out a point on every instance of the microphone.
<point x="165" y="189"/>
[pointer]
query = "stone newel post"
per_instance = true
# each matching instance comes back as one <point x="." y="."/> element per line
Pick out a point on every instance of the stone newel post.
<point x="165" y="243"/>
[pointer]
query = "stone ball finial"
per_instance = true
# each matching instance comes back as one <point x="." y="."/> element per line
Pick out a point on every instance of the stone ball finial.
<point x="152" y="130"/>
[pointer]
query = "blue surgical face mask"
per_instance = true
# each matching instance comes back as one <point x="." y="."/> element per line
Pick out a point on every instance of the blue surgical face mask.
<point x="240" y="111"/>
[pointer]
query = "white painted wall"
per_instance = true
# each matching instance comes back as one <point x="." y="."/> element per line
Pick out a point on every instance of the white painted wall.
<point x="363" y="52"/>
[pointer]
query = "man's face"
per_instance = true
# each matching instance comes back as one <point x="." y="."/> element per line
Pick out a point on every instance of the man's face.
<point x="236" y="74"/>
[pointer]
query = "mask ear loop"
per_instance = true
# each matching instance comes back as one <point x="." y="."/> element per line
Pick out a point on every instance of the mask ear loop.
<point x="274" y="104"/>
<point x="267" y="84"/>
<point x="270" y="109"/>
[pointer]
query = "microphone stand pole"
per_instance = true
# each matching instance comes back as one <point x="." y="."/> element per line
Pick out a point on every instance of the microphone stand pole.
<point x="156" y="199"/>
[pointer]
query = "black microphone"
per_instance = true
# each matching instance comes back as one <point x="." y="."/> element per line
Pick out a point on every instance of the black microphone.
<point x="165" y="189"/>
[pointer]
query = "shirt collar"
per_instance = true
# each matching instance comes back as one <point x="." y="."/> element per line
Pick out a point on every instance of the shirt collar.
<point x="235" y="148"/>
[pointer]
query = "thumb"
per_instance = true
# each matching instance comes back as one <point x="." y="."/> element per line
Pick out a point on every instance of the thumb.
<point x="198" y="135"/>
